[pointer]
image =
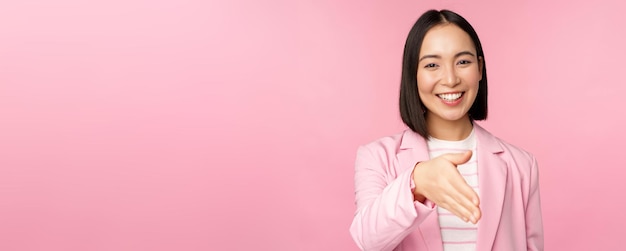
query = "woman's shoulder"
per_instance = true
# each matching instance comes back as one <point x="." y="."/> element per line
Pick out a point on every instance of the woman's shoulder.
<point x="386" y="142"/>
<point x="383" y="152"/>
<point x="392" y="143"/>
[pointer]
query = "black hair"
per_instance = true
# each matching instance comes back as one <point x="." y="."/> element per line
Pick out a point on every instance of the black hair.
<point x="411" y="107"/>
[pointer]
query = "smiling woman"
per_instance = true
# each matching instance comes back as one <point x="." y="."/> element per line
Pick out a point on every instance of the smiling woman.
<point x="443" y="183"/>
<point x="448" y="76"/>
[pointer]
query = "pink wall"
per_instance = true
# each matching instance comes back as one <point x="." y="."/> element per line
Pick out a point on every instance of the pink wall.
<point x="194" y="125"/>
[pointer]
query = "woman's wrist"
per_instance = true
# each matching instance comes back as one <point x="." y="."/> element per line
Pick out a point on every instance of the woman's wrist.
<point x="416" y="195"/>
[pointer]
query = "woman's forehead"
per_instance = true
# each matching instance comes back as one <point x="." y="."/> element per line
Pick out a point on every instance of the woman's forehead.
<point x="446" y="39"/>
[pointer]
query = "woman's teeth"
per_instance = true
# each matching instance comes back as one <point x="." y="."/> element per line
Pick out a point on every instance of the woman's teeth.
<point x="450" y="96"/>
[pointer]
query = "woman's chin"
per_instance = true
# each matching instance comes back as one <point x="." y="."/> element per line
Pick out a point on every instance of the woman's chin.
<point x="450" y="117"/>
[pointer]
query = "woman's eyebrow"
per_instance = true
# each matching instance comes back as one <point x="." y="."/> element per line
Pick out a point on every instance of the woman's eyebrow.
<point x="456" y="55"/>
<point x="428" y="56"/>
<point x="464" y="53"/>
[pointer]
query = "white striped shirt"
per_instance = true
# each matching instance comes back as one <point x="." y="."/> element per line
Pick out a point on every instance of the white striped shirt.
<point x="456" y="234"/>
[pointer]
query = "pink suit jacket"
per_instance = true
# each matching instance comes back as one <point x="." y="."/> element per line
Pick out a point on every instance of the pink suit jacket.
<point x="387" y="218"/>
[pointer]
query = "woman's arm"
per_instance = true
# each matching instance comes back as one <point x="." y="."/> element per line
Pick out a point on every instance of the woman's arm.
<point x="386" y="211"/>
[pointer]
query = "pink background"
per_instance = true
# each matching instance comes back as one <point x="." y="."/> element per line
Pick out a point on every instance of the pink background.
<point x="232" y="125"/>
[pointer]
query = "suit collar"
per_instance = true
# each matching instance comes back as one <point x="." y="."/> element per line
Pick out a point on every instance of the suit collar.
<point x="411" y="139"/>
<point x="487" y="141"/>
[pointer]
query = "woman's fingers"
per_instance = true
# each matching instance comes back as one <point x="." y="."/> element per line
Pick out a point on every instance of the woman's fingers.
<point x="464" y="196"/>
<point x="462" y="205"/>
<point x="452" y="205"/>
<point x="447" y="195"/>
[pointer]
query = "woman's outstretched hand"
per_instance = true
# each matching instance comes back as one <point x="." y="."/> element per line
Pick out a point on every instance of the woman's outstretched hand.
<point x="439" y="181"/>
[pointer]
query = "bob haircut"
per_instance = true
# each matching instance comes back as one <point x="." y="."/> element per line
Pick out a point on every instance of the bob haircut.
<point x="412" y="110"/>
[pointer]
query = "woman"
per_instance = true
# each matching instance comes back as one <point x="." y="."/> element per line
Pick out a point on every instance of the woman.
<point x="447" y="183"/>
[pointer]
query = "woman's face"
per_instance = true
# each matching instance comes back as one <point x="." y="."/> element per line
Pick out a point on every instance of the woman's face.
<point x="448" y="73"/>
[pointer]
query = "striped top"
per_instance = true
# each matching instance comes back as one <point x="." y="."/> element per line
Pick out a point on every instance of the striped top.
<point x="456" y="234"/>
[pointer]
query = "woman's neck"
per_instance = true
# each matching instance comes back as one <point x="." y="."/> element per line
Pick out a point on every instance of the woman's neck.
<point x="449" y="130"/>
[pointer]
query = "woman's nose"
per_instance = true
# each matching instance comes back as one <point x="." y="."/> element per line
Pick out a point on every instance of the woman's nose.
<point x="450" y="77"/>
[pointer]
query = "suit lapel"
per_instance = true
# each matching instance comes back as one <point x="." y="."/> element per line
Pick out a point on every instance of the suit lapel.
<point x="492" y="175"/>
<point x="432" y="232"/>
<point x="413" y="148"/>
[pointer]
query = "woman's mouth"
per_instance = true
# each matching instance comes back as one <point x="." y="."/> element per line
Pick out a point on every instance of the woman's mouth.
<point x="450" y="97"/>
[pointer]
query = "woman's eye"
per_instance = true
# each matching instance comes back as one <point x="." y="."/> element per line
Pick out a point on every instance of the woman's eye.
<point x="431" y="65"/>
<point x="464" y="62"/>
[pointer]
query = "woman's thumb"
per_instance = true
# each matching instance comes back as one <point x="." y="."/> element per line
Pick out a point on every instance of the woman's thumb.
<point x="459" y="158"/>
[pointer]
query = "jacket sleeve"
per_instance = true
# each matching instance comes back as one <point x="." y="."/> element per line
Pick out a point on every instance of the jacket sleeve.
<point x="386" y="212"/>
<point x="534" y="222"/>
